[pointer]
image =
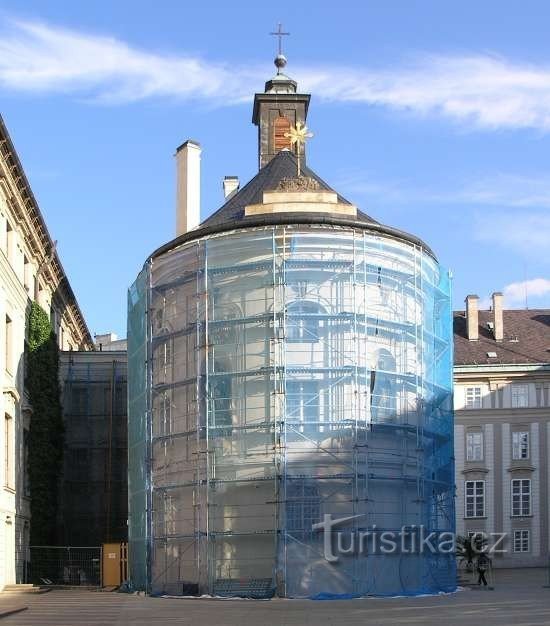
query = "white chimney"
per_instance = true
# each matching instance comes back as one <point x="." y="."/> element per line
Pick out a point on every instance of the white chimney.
<point x="230" y="185"/>
<point x="188" y="187"/>
<point x="472" y="319"/>
<point x="498" y="319"/>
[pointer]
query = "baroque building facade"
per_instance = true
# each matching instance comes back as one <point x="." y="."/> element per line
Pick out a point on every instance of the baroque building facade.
<point x="30" y="270"/>
<point x="502" y="429"/>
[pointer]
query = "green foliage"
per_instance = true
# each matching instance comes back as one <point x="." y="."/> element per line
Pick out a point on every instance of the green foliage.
<point x="46" y="429"/>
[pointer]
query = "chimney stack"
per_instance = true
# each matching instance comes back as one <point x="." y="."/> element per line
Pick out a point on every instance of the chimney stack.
<point x="472" y="322"/>
<point x="230" y="186"/>
<point x="188" y="187"/>
<point x="498" y="318"/>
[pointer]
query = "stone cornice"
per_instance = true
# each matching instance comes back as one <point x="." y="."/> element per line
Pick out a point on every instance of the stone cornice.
<point x="12" y="391"/>
<point x="526" y="413"/>
<point x="520" y="468"/>
<point x="467" y="372"/>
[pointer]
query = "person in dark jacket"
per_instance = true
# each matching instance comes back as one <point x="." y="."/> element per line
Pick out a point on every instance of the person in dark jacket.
<point x="482" y="566"/>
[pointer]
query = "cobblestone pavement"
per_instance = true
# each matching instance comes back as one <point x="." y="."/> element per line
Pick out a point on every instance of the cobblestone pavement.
<point x="519" y="599"/>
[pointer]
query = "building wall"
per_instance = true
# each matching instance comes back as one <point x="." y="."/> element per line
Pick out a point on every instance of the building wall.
<point x="29" y="269"/>
<point x="502" y="388"/>
<point x="93" y="490"/>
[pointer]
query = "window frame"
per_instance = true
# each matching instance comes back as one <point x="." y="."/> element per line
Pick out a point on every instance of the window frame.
<point x="8" y="343"/>
<point x="522" y="538"/>
<point x="473" y="499"/>
<point x="477" y="398"/>
<point x="517" y="508"/>
<point x="517" y="445"/>
<point x="472" y="447"/>
<point x="515" y="396"/>
<point x="9" y="452"/>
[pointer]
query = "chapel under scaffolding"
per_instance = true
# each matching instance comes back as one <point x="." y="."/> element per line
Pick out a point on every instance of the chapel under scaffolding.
<point x="290" y="369"/>
<point x="292" y="373"/>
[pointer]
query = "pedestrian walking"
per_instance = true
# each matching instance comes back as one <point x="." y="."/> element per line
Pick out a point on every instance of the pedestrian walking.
<point x="482" y="565"/>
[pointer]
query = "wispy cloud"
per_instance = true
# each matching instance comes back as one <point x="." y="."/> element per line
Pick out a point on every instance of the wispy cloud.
<point x="39" y="57"/>
<point x="480" y="90"/>
<point x="508" y="190"/>
<point x="518" y="293"/>
<point x="527" y="232"/>
<point x="503" y="189"/>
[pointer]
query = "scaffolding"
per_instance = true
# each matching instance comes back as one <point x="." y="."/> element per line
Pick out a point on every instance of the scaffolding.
<point x="93" y="498"/>
<point x="280" y="375"/>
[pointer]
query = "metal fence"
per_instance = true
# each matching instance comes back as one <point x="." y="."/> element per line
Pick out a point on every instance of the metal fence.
<point x="62" y="565"/>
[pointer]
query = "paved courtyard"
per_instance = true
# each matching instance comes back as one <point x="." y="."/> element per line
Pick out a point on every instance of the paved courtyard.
<point x="518" y="599"/>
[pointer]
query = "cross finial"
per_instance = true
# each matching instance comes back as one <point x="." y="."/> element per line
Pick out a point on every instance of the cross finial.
<point x="280" y="34"/>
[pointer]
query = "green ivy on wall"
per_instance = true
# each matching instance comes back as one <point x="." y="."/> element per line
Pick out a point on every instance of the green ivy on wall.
<point x="46" y="426"/>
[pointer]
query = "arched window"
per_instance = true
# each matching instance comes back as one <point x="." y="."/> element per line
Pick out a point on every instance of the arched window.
<point x="281" y="126"/>
<point x="303" y="321"/>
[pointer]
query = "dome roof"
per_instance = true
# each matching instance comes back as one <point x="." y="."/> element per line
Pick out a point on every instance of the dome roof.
<point x="231" y="215"/>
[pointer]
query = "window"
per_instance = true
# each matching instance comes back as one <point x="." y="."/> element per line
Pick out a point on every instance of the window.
<point x="474" y="498"/>
<point x="9" y="241"/>
<point x="520" y="396"/>
<point x="303" y="321"/>
<point x="26" y="273"/>
<point x="520" y="445"/>
<point x="8" y="344"/>
<point x="302" y="402"/>
<point x="281" y="126"/>
<point x="521" y="497"/>
<point x="221" y="417"/>
<point x="521" y="541"/>
<point x="8" y="451"/>
<point x="303" y="505"/>
<point x="473" y="397"/>
<point x="383" y="396"/>
<point x="474" y="446"/>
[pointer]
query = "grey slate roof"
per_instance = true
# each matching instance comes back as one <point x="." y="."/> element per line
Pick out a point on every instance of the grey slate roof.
<point x="232" y="216"/>
<point x="283" y="165"/>
<point x="531" y="328"/>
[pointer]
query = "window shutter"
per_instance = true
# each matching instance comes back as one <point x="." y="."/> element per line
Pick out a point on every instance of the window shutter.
<point x="280" y="127"/>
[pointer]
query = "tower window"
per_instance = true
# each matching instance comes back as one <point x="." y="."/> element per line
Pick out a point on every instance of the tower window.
<point x="281" y="126"/>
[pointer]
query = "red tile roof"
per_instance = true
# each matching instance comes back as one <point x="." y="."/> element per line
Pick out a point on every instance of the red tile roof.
<point x="526" y="338"/>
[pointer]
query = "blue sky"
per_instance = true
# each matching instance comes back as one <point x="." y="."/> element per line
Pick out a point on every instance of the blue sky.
<point x="431" y="116"/>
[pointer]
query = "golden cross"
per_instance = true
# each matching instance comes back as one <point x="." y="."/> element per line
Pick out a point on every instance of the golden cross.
<point x="298" y="135"/>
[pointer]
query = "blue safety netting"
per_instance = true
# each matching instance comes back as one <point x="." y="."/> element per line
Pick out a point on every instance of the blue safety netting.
<point x="297" y="376"/>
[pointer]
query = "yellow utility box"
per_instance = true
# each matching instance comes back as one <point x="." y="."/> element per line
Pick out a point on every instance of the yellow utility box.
<point x="114" y="570"/>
